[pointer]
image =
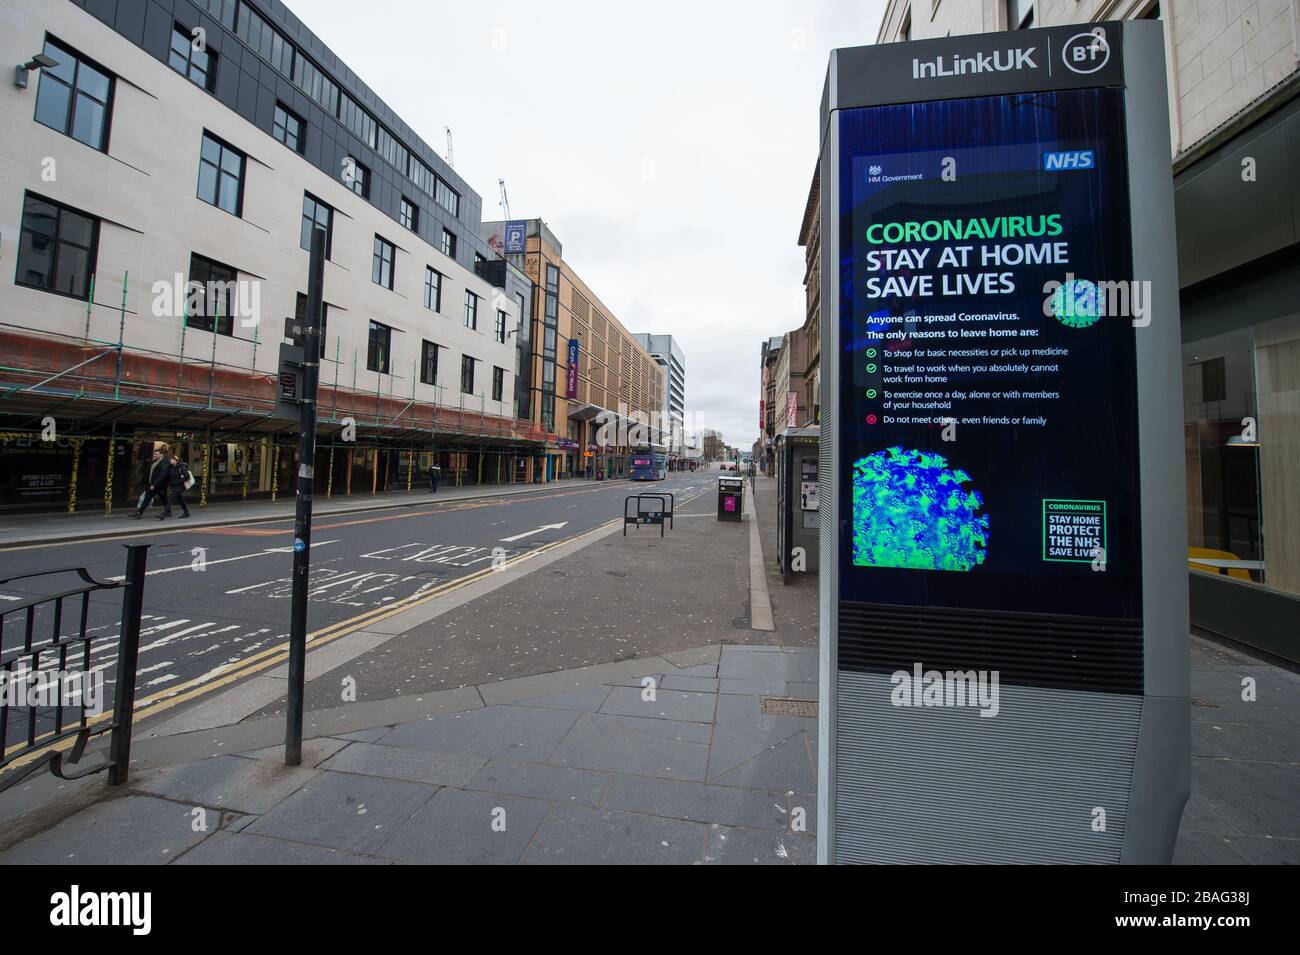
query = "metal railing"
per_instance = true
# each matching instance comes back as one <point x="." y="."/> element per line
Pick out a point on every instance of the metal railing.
<point x="47" y="656"/>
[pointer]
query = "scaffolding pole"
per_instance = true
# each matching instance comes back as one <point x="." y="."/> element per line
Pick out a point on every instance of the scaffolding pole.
<point x="89" y="304"/>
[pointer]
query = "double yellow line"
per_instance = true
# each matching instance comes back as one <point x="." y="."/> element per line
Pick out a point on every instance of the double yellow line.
<point x="272" y="656"/>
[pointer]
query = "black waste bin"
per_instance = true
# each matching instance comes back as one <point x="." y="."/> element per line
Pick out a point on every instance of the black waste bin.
<point x="731" y="498"/>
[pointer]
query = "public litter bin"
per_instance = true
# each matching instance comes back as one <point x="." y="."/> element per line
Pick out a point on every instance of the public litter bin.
<point x="731" y="498"/>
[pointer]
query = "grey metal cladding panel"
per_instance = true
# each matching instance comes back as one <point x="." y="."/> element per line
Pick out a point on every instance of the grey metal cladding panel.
<point x="943" y="784"/>
<point x="105" y="10"/>
<point x="130" y="21"/>
<point x="157" y="36"/>
<point x="1223" y="221"/>
<point x="249" y="90"/>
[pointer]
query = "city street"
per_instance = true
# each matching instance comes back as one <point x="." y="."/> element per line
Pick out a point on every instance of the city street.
<point x="218" y="597"/>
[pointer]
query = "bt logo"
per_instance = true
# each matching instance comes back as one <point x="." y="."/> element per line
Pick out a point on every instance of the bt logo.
<point x="1086" y="52"/>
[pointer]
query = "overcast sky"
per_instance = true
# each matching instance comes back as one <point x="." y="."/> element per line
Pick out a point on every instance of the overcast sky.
<point x="669" y="146"/>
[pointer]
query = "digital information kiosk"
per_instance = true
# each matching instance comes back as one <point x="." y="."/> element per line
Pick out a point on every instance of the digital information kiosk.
<point x="1004" y="623"/>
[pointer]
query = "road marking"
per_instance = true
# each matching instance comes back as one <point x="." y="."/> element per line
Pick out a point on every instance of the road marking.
<point x="273" y="656"/>
<point x="536" y="530"/>
<point x="227" y="560"/>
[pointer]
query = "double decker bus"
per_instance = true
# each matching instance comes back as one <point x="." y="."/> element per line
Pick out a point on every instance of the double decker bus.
<point x="649" y="463"/>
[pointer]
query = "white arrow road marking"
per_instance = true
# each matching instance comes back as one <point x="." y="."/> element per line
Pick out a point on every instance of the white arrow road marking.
<point x="536" y="530"/>
<point x="226" y="560"/>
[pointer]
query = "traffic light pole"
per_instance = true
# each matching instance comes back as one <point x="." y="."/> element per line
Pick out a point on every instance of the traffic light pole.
<point x="302" y="517"/>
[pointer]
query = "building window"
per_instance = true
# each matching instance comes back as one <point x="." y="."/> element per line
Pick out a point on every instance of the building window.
<point x="381" y="269"/>
<point x="466" y="375"/>
<point x="471" y="310"/>
<point x="221" y="175"/>
<point x="432" y="289"/>
<point x="355" y="118"/>
<point x="1239" y="393"/>
<point x="56" y="248"/>
<point x="498" y="383"/>
<point x="200" y="65"/>
<point x="410" y="215"/>
<point x="210" y="296"/>
<point x="448" y="244"/>
<point x="287" y="128"/>
<point x="75" y="97"/>
<point x="905" y="31"/>
<point x="315" y="214"/>
<point x="308" y="78"/>
<point x="499" y="333"/>
<point x="379" y="348"/>
<point x="223" y="10"/>
<point x="447" y="198"/>
<point x="269" y="42"/>
<point x="1020" y="14"/>
<point x="429" y="363"/>
<point x="356" y="177"/>
<point x="300" y="314"/>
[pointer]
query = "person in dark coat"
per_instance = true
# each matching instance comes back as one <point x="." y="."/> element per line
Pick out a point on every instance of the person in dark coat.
<point x="435" y="474"/>
<point x="179" y="473"/>
<point x="159" y="485"/>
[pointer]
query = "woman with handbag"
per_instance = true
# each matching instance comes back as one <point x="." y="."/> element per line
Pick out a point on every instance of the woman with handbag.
<point x="181" y="481"/>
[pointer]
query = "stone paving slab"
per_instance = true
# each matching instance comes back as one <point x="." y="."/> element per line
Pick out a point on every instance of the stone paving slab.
<point x="645" y="747"/>
<point x="229" y="782"/>
<point x="134" y="830"/>
<point x="514" y="732"/>
<point x="343" y="811"/>
<point x="243" y="848"/>
<point x="541" y="781"/>
<point x="732" y="846"/>
<point x="699" y="802"/>
<point x="667" y="704"/>
<point x="467" y="828"/>
<point x="413" y="765"/>
<point x="574" y="835"/>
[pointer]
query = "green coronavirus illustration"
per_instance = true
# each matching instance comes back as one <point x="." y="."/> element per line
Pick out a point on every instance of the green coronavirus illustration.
<point x="910" y="510"/>
<point x="1077" y="303"/>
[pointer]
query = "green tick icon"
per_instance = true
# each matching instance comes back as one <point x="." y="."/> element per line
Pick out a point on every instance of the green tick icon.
<point x="871" y="392"/>
<point x="871" y="353"/>
<point x="871" y="369"/>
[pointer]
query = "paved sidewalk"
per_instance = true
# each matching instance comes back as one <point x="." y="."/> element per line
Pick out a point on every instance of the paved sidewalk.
<point x="17" y="529"/>
<point x="598" y="772"/>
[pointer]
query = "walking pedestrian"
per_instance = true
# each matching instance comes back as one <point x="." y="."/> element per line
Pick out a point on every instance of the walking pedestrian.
<point x="159" y="483"/>
<point x="181" y="481"/>
<point x="435" y="475"/>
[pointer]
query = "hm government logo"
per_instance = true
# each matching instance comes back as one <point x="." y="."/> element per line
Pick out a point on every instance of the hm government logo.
<point x="1075" y="303"/>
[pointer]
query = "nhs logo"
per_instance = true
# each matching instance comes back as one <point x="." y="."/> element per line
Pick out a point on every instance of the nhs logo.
<point x="1070" y="159"/>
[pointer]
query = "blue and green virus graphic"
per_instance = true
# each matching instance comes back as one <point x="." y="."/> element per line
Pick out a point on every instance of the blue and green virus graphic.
<point x="910" y="510"/>
<point x="1076" y="303"/>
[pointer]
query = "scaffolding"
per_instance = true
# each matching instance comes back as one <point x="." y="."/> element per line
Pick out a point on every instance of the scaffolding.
<point x="103" y="394"/>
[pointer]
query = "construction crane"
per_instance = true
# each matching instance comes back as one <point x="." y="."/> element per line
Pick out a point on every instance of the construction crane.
<point x="505" y="202"/>
<point x="450" y="160"/>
